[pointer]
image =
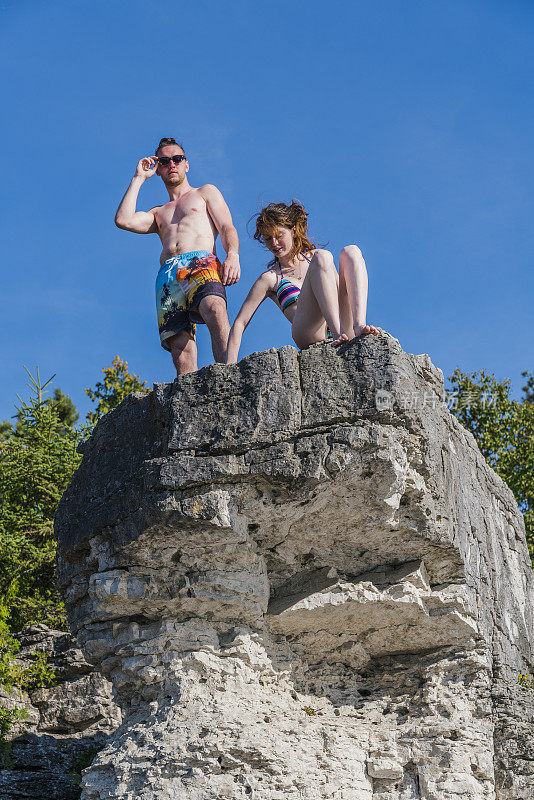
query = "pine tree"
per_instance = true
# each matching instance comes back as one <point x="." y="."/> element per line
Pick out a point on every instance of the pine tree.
<point x="37" y="460"/>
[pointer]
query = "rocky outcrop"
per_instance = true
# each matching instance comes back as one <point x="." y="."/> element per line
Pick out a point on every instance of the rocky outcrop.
<point x="303" y="580"/>
<point x="67" y="723"/>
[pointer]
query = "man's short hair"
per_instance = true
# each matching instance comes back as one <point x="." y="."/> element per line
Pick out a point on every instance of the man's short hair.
<point x="167" y="141"/>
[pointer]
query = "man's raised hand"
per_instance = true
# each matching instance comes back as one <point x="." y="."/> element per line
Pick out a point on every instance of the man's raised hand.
<point x="146" y="167"/>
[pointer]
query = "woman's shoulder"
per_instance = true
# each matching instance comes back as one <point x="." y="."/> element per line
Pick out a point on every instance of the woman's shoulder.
<point x="269" y="277"/>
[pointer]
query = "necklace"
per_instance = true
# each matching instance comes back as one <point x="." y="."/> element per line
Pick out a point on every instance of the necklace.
<point x="299" y="276"/>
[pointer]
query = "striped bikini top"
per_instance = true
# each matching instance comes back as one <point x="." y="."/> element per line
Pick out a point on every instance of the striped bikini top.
<point x="286" y="291"/>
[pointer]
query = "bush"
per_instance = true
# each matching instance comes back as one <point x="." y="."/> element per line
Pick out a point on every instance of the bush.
<point x="504" y="431"/>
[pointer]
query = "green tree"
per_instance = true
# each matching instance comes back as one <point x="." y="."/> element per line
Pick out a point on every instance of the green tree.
<point x="528" y="388"/>
<point x="65" y="408"/>
<point x="67" y="411"/>
<point x="38" y="455"/>
<point x="37" y="461"/>
<point x="504" y="431"/>
<point x="117" y="384"/>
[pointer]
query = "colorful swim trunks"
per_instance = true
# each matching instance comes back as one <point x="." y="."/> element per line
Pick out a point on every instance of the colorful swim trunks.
<point x="182" y="282"/>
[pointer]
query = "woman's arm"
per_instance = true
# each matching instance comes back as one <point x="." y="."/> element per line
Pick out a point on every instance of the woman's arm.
<point x="254" y="299"/>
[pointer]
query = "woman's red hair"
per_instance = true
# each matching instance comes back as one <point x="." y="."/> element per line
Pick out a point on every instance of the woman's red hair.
<point x="280" y="215"/>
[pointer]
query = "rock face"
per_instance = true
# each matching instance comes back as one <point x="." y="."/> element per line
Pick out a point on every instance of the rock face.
<point x="67" y="722"/>
<point x="303" y="580"/>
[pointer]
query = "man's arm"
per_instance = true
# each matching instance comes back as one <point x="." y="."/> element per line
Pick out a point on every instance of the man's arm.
<point x="222" y="219"/>
<point x="127" y="217"/>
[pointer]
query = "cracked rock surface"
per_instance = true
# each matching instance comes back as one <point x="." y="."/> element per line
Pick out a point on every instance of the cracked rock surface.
<point x="66" y="723"/>
<point x="303" y="580"/>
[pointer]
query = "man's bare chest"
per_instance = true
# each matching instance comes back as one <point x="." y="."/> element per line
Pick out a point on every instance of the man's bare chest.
<point x="191" y="210"/>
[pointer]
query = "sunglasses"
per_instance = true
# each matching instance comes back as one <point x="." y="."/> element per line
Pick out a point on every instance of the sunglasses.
<point x="166" y="160"/>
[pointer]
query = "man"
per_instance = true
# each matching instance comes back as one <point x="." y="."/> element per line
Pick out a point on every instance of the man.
<point x="190" y="283"/>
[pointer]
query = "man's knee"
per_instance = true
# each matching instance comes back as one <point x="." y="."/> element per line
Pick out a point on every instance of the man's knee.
<point x="180" y="341"/>
<point x="183" y="348"/>
<point x="213" y="308"/>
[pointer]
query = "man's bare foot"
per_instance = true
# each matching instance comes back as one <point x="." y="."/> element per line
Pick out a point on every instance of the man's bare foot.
<point x="363" y="330"/>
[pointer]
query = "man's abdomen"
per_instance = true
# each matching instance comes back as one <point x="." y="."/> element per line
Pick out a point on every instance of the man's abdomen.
<point x="193" y="232"/>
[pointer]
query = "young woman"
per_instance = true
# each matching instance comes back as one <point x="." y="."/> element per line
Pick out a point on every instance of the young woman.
<point x="304" y="283"/>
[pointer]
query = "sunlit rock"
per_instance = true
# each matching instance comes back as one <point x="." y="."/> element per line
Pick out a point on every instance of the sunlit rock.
<point x="303" y="580"/>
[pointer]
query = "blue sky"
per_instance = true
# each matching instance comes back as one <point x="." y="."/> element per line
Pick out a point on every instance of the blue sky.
<point x="405" y="126"/>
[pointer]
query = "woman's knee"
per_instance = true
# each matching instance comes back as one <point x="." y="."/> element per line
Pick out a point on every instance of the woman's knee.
<point x="323" y="260"/>
<point x="352" y="252"/>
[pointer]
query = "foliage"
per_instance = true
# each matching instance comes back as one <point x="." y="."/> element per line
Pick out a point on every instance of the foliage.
<point x="7" y="719"/>
<point x="62" y="404"/>
<point x="118" y="383"/>
<point x="16" y="675"/>
<point x="504" y="431"/>
<point x="64" y="407"/>
<point x="527" y="682"/>
<point x="528" y="388"/>
<point x="6" y="429"/>
<point x="38" y="455"/>
<point x="9" y="672"/>
<point x="39" y="673"/>
<point x="36" y="464"/>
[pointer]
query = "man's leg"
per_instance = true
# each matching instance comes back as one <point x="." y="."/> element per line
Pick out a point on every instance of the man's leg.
<point x="212" y="309"/>
<point x="184" y="352"/>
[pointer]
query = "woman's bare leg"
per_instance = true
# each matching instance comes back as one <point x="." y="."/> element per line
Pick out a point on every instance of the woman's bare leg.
<point x="318" y="301"/>
<point x="354" y="285"/>
<point x="345" y="310"/>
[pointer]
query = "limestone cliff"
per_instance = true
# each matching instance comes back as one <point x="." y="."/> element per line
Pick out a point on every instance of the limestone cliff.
<point x="303" y="580"/>
<point x="66" y="723"/>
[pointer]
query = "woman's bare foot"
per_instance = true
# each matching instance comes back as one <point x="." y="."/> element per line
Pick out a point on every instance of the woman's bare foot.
<point x="363" y="330"/>
<point x="340" y="339"/>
